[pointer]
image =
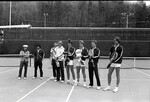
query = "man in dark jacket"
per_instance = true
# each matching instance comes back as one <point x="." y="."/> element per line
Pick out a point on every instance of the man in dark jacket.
<point x="38" y="59"/>
<point x="94" y="54"/>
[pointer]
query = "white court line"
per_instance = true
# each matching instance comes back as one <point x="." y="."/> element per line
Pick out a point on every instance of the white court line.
<point x="8" y="70"/>
<point x="70" y="94"/>
<point x="32" y="90"/>
<point x="141" y="72"/>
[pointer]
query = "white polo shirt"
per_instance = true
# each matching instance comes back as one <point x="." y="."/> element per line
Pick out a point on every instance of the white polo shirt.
<point x="60" y="53"/>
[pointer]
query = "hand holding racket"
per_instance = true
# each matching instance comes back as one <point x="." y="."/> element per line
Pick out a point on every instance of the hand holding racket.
<point x="113" y="57"/>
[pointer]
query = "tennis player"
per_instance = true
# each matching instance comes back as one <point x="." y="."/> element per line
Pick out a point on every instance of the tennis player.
<point x="94" y="54"/>
<point x="59" y="58"/>
<point x="52" y="54"/>
<point x="70" y="64"/>
<point x="81" y="55"/>
<point x="38" y="61"/>
<point x="24" y="61"/>
<point x="117" y="51"/>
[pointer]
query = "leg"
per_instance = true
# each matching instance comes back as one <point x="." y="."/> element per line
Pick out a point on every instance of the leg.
<point x="78" y="73"/>
<point x="62" y="70"/>
<point x="118" y="76"/>
<point x="111" y="69"/>
<point x="68" y="73"/>
<point x="97" y="75"/>
<point x="40" y="68"/>
<point x="58" y="73"/>
<point x="83" y="72"/>
<point x="35" y="68"/>
<point x="20" y="69"/>
<point x="90" y="73"/>
<point x="72" y="71"/>
<point x="25" y="69"/>
<point x="54" y="68"/>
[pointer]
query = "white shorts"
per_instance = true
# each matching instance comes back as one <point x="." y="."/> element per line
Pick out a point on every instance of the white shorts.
<point x="79" y="64"/>
<point x="70" y="62"/>
<point x="115" y="65"/>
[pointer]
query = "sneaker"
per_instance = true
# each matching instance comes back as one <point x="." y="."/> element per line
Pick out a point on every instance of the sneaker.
<point x="19" y="78"/>
<point x="68" y="81"/>
<point x="33" y="77"/>
<point x="52" y="78"/>
<point x="55" y="80"/>
<point x="77" y="83"/>
<point x="98" y="88"/>
<point x="84" y="84"/>
<point x="107" y="88"/>
<point x="41" y="78"/>
<point x="25" y="78"/>
<point x="115" y="90"/>
<point x="89" y="86"/>
<point x="62" y="81"/>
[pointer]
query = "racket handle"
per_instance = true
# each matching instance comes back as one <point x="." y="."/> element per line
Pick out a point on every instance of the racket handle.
<point x="108" y="65"/>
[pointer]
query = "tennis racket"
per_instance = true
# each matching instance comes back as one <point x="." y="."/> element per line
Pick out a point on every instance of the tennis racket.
<point x="112" y="58"/>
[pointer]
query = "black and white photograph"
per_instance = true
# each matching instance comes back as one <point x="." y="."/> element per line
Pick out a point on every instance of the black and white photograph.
<point x="75" y="51"/>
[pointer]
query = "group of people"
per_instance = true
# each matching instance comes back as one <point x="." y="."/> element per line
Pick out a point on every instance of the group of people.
<point x="68" y="57"/>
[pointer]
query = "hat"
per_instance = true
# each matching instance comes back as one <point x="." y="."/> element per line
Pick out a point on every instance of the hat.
<point x="81" y="41"/>
<point x="55" y="43"/>
<point x="25" y="45"/>
<point x="69" y="41"/>
<point x="60" y="42"/>
<point x="117" y="39"/>
<point x="94" y="41"/>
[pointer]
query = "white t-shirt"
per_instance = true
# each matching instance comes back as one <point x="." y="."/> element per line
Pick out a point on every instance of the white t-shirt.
<point x="59" y="53"/>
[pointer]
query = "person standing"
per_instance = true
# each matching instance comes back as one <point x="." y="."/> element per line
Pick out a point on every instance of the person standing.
<point x="116" y="53"/>
<point x="53" y="62"/>
<point x="70" y="50"/>
<point x="38" y="59"/>
<point x="81" y="55"/>
<point x="94" y="54"/>
<point x="24" y="61"/>
<point x="59" y="58"/>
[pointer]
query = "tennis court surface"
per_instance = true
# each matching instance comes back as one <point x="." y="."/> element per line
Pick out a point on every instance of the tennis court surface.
<point x="134" y="85"/>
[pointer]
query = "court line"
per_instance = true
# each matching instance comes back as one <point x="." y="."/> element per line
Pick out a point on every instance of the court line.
<point x="8" y="70"/>
<point x="32" y="90"/>
<point x="142" y="72"/>
<point x="69" y="94"/>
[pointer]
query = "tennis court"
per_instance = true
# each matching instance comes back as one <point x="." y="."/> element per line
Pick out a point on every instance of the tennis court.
<point x="134" y="86"/>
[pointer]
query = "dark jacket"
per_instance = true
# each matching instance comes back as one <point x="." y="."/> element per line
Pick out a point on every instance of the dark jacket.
<point x="96" y="55"/>
<point x="119" y="51"/>
<point x="72" y="51"/>
<point x="84" y="54"/>
<point x="38" y="56"/>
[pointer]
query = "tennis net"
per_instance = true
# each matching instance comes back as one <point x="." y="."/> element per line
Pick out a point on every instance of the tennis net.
<point x="128" y="62"/>
<point x="11" y="60"/>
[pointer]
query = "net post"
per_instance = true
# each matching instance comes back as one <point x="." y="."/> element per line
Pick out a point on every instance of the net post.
<point x="134" y="62"/>
<point x="30" y="61"/>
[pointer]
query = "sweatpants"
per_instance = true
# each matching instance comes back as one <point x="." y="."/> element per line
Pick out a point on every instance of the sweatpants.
<point x="60" y="71"/>
<point x="25" y="65"/>
<point x="93" y="70"/>
<point x="36" y="65"/>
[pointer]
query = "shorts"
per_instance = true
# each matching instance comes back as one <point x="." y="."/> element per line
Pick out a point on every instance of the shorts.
<point x="70" y="62"/>
<point x="115" y="65"/>
<point x="80" y="62"/>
